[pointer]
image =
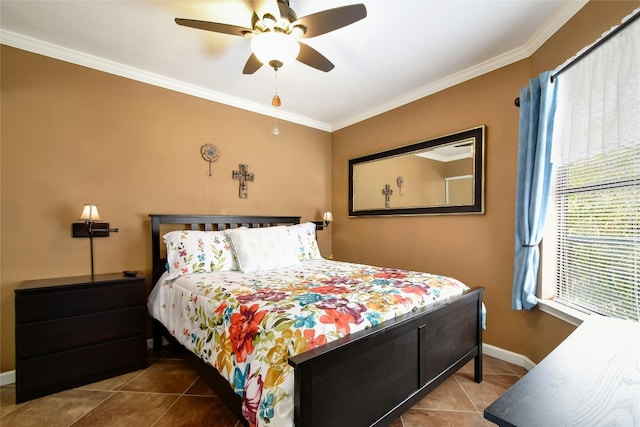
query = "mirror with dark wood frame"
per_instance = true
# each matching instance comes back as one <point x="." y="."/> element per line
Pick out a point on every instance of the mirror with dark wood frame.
<point x="444" y="175"/>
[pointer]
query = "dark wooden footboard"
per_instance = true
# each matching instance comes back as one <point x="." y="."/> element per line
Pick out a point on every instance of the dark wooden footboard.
<point x="368" y="378"/>
<point x="373" y="376"/>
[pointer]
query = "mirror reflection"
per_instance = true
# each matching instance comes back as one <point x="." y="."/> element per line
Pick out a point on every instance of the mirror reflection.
<point x="443" y="175"/>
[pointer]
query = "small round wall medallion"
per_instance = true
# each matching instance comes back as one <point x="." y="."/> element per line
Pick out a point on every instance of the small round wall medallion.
<point x="400" y="183"/>
<point x="210" y="153"/>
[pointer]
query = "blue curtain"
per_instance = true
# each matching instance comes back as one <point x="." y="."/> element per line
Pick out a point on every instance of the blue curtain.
<point x="537" y="107"/>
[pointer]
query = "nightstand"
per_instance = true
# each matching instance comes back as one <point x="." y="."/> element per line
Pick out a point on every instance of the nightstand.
<point x="72" y="331"/>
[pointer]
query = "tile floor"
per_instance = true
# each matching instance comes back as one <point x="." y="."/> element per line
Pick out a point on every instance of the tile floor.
<point x="170" y="393"/>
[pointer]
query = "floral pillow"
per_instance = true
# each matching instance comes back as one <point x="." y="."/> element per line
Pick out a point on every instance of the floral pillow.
<point x="266" y="248"/>
<point x="193" y="251"/>
<point x="304" y="238"/>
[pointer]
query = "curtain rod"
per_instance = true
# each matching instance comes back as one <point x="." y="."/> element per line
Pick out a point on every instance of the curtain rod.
<point x="593" y="47"/>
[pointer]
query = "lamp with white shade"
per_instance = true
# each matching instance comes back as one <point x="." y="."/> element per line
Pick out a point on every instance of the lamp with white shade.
<point x="90" y="228"/>
<point x="327" y="217"/>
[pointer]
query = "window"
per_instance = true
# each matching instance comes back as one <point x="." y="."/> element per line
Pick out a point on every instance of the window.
<point x="596" y="222"/>
<point x="591" y="246"/>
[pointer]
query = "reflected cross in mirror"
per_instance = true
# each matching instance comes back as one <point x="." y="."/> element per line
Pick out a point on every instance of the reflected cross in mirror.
<point x="429" y="166"/>
<point x="387" y="192"/>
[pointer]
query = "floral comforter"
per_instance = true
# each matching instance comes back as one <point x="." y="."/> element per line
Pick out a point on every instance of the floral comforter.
<point x="248" y="325"/>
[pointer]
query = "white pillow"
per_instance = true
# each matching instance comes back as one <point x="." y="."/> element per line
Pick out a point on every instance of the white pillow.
<point x="304" y="238"/>
<point x="266" y="248"/>
<point x="193" y="251"/>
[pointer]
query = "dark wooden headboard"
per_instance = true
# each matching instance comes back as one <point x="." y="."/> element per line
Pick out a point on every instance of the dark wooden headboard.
<point x="207" y="223"/>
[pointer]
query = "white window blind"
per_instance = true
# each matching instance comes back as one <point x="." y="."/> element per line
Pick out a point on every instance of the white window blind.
<point x="598" y="247"/>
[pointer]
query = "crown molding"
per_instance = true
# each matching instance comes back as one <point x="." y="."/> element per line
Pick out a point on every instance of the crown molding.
<point x="557" y="20"/>
<point x="553" y="24"/>
<point x="51" y="50"/>
<point x="442" y="84"/>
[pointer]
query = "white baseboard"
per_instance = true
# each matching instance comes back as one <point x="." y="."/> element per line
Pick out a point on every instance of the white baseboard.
<point x="508" y="356"/>
<point x="9" y="377"/>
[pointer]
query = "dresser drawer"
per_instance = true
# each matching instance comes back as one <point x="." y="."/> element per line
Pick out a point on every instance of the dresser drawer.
<point x="49" y="374"/>
<point x="36" y="339"/>
<point x="72" y="331"/>
<point x="76" y="301"/>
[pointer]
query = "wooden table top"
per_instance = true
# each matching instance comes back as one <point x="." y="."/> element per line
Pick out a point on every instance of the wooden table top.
<point x="591" y="379"/>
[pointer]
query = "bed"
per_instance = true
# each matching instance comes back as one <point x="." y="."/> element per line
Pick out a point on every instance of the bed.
<point x="368" y="375"/>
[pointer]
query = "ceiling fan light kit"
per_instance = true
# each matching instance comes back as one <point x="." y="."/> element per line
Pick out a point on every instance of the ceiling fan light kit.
<point x="276" y="38"/>
<point x="275" y="48"/>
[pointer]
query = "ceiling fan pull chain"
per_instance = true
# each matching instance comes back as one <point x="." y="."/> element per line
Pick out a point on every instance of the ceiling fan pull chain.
<point x="275" y="101"/>
<point x="275" y="129"/>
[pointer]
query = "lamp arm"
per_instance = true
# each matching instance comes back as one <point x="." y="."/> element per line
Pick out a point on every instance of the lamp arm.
<point x="110" y="230"/>
<point x="91" y="230"/>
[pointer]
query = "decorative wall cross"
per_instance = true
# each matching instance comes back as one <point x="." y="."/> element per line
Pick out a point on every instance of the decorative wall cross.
<point x="387" y="192"/>
<point x="243" y="175"/>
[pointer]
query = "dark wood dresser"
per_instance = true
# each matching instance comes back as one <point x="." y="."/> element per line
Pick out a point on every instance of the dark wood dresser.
<point x="72" y="331"/>
<point x="591" y="379"/>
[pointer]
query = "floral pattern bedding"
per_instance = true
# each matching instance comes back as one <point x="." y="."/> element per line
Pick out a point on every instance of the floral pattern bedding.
<point x="248" y="325"/>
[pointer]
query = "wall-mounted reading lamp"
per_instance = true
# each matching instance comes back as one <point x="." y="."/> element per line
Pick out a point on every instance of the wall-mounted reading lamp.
<point x="90" y="228"/>
<point x="327" y="217"/>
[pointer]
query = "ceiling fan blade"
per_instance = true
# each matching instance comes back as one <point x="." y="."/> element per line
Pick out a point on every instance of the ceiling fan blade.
<point x="313" y="58"/>
<point x="216" y="27"/>
<point x="285" y="11"/>
<point x="253" y="64"/>
<point x="329" y="20"/>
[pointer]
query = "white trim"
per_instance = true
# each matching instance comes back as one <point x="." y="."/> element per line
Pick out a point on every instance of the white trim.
<point x="563" y="312"/>
<point x="562" y="15"/>
<point x="51" y="50"/>
<point x="450" y="81"/>
<point x="508" y="356"/>
<point x="8" y="377"/>
<point x="558" y="19"/>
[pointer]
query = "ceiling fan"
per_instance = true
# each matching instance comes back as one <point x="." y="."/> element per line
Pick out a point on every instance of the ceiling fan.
<point x="276" y="39"/>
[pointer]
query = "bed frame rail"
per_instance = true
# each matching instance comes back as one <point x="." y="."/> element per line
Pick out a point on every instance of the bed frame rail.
<point x="383" y="373"/>
<point x="370" y="377"/>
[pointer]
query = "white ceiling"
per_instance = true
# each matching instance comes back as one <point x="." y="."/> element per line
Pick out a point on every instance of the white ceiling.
<point x="402" y="51"/>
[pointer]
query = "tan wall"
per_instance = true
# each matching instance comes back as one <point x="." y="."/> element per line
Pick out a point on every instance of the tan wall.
<point x="71" y="135"/>
<point x="477" y="249"/>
